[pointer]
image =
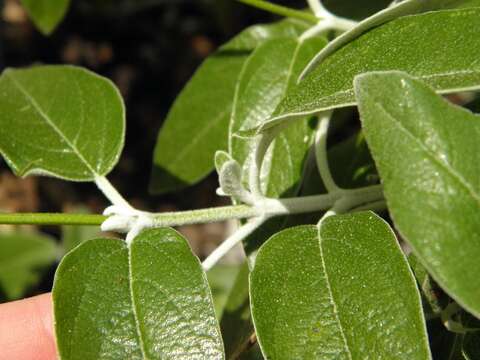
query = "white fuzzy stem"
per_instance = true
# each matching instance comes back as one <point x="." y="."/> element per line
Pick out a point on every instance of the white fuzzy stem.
<point x="317" y="7"/>
<point x="230" y="242"/>
<point x="321" y="154"/>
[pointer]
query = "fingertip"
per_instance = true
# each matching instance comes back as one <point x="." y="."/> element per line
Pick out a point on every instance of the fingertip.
<point x="26" y="329"/>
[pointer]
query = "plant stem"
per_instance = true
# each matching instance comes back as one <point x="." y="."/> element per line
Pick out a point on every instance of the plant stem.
<point x="267" y="207"/>
<point x="51" y="219"/>
<point x="229" y="243"/>
<point x="321" y="152"/>
<point x="317" y="7"/>
<point x="281" y="10"/>
<point x="202" y="216"/>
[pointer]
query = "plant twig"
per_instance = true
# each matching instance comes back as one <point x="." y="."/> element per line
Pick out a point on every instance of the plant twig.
<point x="281" y="10"/>
<point x="321" y="152"/>
<point x="51" y="219"/>
<point x="229" y="243"/>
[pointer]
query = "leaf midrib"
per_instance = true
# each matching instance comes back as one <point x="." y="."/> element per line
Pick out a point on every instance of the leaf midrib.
<point x="134" y="306"/>
<point x="49" y="122"/>
<point x="446" y="166"/>
<point x="330" y="293"/>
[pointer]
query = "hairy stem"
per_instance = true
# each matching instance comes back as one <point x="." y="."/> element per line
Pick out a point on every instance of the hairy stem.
<point x="281" y="10"/>
<point x="52" y="219"/>
<point x="208" y="215"/>
<point x="317" y="7"/>
<point x="321" y="152"/>
<point x="233" y="240"/>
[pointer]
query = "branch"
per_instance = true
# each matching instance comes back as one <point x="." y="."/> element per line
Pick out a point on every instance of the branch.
<point x="52" y="219"/>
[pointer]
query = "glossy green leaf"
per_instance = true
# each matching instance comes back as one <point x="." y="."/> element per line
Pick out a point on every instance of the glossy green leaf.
<point x="46" y="14"/>
<point x="427" y="46"/>
<point x="403" y="8"/>
<point x="315" y="293"/>
<point x="61" y="121"/>
<point x="151" y="301"/>
<point x="427" y="154"/>
<point x="197" y="124"/>
<point x="22" y="259"/>
<point x="269" y="72"/>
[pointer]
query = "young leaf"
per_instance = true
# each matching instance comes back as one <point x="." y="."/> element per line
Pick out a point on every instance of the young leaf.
<point x="197" y="124"/>
<point x="149" y="301"/>
<point x="62" y="121"/>
<point x="336" y="292"/>
<point x="46" y="14"/>
<point x="264" y="80"/>
<point x="22" y="257"/>
<point x="408" y="7"/>
<point x="427" y="152"/>
<point x="427" y="46"/>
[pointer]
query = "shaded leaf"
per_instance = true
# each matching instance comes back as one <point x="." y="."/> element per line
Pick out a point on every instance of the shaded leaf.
<point x="221" y="279"/>
<point x="62" y="121"/>
<point x="151" y="301"/>
<point x="433" y="298"/>
<point x="315" y="293"/>
<point x="22" y="259"/>
<point x="264" y="80"/>
<point x="197" y="124"/>
<point x="426" y="152"/>
<point x="46" y="14"/>
<point x="236" y="323"/>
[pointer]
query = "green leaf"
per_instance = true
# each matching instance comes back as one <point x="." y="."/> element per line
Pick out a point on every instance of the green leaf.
<point x="221" y="279"/>
<point x="197" y="124"/>
<point x="408" y="7"/>
<point x="151" y="301"/>
<point x="236" y="323"/>
<point x="22" y="259"/>
<point x="426" y="151"/>
<point x="269" y="72"/>
<point x="62" y="121"/>
<point x="433" y="298"/>
<point x="46" y="14"/>
<point x="426" y="46"/>
<point x="336" y="292"/>
<point x="471" y="345"/>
